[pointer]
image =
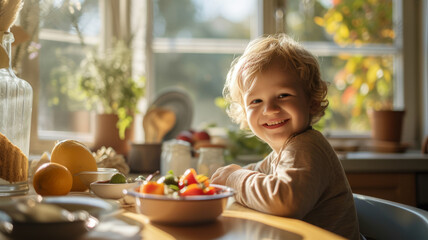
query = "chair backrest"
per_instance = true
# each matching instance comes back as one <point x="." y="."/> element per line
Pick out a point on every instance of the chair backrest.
<point x="425" y="145"/>
<point x="381" y="219"/>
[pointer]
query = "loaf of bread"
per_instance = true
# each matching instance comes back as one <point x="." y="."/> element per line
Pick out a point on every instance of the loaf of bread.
<point x="13" y="162"/>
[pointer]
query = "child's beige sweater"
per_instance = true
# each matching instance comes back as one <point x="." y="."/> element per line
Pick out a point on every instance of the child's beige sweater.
<point x="307" y="182"/>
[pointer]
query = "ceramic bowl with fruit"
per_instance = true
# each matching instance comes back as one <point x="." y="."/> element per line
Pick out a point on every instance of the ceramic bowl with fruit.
<point x="112" y="188"/>
<point x="187" y="199"/>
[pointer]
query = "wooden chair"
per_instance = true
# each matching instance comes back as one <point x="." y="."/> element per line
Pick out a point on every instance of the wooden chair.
<point x="382" y="219"/>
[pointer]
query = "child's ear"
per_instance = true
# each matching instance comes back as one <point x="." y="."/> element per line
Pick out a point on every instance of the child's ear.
<point x="313" y="108"/>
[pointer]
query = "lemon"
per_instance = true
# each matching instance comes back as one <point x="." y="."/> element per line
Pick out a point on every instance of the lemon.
<point x="118" y="178"/>
<point x="76" y="157"/>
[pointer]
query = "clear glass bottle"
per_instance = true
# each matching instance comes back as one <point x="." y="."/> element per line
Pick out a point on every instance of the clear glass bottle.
<point x="16" y="96"/>
<point x="210" y="159"/>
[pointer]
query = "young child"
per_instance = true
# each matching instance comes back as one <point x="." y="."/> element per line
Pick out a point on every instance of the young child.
<point x="276" y="90"/>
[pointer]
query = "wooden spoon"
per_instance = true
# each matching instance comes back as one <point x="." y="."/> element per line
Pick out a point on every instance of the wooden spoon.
<point x="149" y="126"/>
<point x="164" y="120"/>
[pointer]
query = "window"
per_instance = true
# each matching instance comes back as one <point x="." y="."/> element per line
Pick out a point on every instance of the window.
<point x="54" y="50"/>
<point x="358" y="44"/>
<point x="59" y="114"/>
<point x="193" y="42"/>
<point x="360" y="53"/>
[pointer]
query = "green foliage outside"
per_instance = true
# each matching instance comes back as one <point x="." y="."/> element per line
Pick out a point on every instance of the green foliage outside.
<point x="363" y="82"/>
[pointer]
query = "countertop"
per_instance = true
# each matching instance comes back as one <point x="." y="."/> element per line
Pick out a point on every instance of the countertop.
<point x="410" y="161"/>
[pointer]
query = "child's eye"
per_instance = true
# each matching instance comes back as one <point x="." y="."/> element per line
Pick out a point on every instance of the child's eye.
<point x="283" y="95"/>
<point x="255" y="101"/>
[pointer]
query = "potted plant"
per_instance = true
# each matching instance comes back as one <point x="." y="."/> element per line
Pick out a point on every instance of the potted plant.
<point x="105" y="83"/>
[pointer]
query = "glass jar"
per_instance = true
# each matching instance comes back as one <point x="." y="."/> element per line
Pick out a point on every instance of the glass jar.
<point x="176" y="156"/>
<point x="210" y="158"/>
<point x="16" y="96"/>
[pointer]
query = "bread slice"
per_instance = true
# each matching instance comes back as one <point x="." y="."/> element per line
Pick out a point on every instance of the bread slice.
<point x="13" y="162"/>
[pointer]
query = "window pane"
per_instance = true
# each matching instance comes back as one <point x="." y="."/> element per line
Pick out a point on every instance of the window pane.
<point x="56" y="111"/>
<point x="343" y="22"/>
<point x="357" y="84"/>
<point x="202" y="76"/>
<point x="58" y="15"/>
<point x="59" y="56"/>
<point x="203" y="19"/>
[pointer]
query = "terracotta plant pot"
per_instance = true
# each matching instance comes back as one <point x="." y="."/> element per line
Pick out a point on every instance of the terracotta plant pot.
<point x="81" y="121"/>
<point x="107" y="134"/>
<point x="387" y="125"/>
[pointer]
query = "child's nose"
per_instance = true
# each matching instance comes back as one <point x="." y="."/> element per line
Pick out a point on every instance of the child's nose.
<point x="271" y="108"/>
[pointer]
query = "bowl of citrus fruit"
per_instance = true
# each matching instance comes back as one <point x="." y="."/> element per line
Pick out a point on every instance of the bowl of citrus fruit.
<point x="185" y="199"/>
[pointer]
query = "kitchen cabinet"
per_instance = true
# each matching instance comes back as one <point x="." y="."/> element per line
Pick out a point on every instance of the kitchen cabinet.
<point x="398" y="177"/>
<point x="397" y="187"/>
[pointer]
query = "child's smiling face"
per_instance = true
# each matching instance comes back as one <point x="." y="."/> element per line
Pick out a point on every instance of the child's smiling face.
<point x="276" y="106"/>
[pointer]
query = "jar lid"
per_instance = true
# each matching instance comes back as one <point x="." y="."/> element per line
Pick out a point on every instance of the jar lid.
<point x="172" y="142"/>
<point x="209" y="145"/>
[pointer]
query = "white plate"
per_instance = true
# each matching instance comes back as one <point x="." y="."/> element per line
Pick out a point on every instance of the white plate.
<point x="181" y="104"/>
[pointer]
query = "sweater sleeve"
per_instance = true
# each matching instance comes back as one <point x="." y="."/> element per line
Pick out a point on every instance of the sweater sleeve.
<point x="291" y="187"/>
<point x="263" y="165"/>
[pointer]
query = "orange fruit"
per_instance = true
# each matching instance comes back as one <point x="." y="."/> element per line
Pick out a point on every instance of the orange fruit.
<point x="76" y="157"/>
<point x="52" y="179"/>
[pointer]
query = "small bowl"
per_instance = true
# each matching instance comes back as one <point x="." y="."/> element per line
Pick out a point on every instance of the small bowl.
<point x="102" y="174"/>
<point x="110" y="190"/>
<point x="181" y="210"/>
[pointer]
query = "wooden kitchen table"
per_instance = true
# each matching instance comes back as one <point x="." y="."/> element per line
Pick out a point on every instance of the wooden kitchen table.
<point x="236" y="222"/>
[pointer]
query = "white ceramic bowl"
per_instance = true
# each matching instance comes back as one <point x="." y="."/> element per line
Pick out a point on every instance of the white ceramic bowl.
<point x="181" y="210"/>
<point x="110" y="190"/>
<point x="102" y="174"/>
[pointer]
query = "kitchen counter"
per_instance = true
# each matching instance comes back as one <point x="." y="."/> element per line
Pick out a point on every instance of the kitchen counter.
<point x="411" y="161"/>
<point x="398" y="177"/>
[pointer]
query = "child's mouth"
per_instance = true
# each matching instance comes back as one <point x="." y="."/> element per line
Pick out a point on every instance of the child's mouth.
<point x="276" y="124"/>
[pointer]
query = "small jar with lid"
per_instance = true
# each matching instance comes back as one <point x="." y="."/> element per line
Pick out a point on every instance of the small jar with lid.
<point x="211" y="157"/>
<point x="176" y="156"/>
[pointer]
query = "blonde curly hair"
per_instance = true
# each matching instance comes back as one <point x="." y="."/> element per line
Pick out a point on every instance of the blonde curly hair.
<point x="258" y="56"/>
